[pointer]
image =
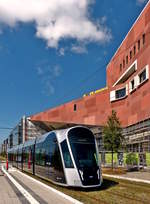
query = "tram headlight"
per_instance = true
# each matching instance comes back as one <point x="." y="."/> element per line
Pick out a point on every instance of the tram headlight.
<point x="98" y="173"/>
<point x="81" y="173"/>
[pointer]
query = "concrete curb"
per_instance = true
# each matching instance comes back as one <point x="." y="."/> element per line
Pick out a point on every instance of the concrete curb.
<point x="25" y="193"/>
<point x="69" y="198"/>
<point x="127" y="178"/>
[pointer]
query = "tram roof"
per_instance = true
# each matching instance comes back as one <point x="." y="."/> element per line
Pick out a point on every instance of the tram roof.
<point x="42" y="138"/>
<point x="29" y="143"/>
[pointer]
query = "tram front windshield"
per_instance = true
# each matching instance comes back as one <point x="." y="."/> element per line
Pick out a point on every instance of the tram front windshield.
<point x="83" y="148"/>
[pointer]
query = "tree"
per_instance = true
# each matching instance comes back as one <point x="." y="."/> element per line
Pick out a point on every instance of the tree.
<point x="112" y="134"/>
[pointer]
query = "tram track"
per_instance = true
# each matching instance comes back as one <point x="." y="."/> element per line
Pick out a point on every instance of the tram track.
<point x="135" y="200"/>
<point x="100" y="201"/>
<point x="124" y="195"/>
<point x="96" y="200"/>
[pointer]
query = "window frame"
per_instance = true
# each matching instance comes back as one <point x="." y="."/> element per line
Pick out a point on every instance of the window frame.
<point x="124" y="88"/>
<point x="132" y="89"/>
<point x="130" y="54"/>
<point x="127" y="60"/>
<point x="134" y="50"/>
<point x="143" y="39"/>
<point x="146" y="77"/>
<point x="139" y="44"/>
<point x="113" y="94"/>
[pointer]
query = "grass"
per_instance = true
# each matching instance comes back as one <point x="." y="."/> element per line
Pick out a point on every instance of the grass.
<point x="112" y="191"/>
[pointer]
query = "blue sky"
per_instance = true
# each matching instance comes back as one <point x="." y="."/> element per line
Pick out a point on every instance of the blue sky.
<point x="48" y="56"/>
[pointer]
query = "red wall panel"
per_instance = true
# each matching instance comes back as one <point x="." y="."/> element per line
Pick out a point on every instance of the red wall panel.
<point x="95" y="109"/>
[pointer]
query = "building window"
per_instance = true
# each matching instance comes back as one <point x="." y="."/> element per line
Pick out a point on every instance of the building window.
<point x="130" y="54"/>
<point x="143" y="38"/>
<point x="121" y="93"/>
<point x="120" y="67"/>
<point x="127" y="59"/>
<point x="138" y="44"/>
<point x="142" y="76"/>
<point x="75" y="107"/>
<point x="123" y="63"/>
<point x="132" y="85"/>
<point x="134" y="49"/>
<point x="116" y="95"/>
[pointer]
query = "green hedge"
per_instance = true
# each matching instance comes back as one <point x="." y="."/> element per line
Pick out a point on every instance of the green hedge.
<point x="124" y="157"/>
<point x="148" y="159"/>
<point x="132" y="159"/>
<point x="108" y="158"/>
<point x="127" y="158"/>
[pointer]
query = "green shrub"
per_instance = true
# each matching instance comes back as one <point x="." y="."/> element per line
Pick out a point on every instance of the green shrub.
<point x="148" y="159"/>
<point x="132" y="159"/>
<point x="108" y="158"/>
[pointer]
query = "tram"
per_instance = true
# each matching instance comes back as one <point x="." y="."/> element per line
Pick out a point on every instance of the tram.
<point x="66" y="157"/>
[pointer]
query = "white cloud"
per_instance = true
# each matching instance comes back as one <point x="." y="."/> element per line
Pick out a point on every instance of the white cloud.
<point x="57" y="71"/>
<point x="62" y="51"/>
<point x="39" y="71"/>
<point x="48" y="75"/>
<point x="80" y="49"/>
<point x="140" y="2"/>
<point x="103" y="19"/>
<point x="55" y="19"/>
<point x="50" y="90"/>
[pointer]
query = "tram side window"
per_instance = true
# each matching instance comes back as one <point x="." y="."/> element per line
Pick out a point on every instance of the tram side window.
<point x="40" y="155"/>
<point x="66" y="155"/>
<point x="56" y="162"/>
<point x="37" y="155"/>
<point x="26" y="154"/>
<point x="47" y="154"/>
<point x="30" y="153"/>
<point x="20" y="155"/>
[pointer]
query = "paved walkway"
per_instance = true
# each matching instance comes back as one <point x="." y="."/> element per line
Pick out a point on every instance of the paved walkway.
<point x="143" y="177"/>
<point x="41" y="194"/>
<point x="8" y="192"/>
<point x="138" y="175"/>
<point x="31" y="189"/>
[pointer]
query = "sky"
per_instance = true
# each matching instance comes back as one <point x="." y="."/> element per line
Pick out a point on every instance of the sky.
<point x="52" y="52"/>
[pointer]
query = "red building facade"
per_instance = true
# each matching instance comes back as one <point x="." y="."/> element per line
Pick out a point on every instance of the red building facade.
<point x="128" y="85"/>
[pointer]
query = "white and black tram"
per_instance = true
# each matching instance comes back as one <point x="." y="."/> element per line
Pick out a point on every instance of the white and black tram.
<point x="66" y="157"/>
